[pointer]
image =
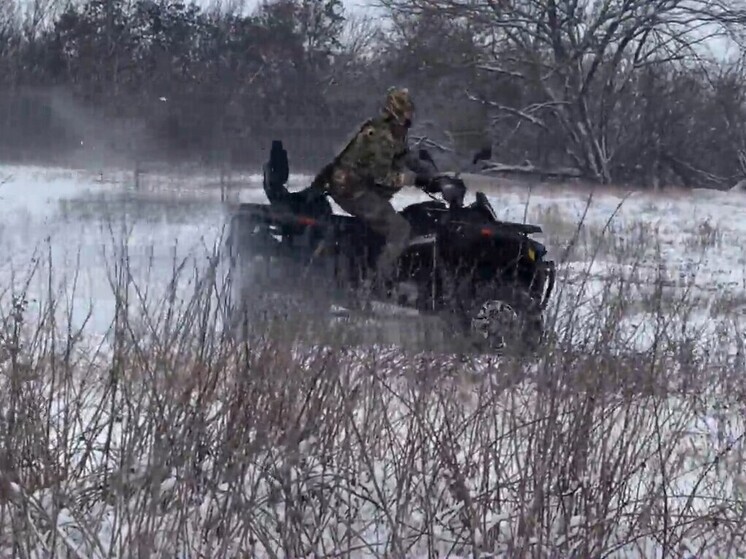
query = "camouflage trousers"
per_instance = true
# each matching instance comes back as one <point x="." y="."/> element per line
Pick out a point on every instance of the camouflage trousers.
<point x="378" y="213"/>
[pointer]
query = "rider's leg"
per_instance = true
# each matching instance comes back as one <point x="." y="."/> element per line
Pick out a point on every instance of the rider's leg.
<point x="382" y="218"/>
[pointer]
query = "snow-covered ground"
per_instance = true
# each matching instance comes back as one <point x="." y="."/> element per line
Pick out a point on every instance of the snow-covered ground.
<point x="83" y="224"/>
<point x="653" y="250"/>
<point x="684" y="241"/>
<point x="652" y="464"/>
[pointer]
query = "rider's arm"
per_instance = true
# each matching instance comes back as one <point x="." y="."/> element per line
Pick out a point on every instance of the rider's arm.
<point x="422" y="174"/>
<point x="421" y="168"/>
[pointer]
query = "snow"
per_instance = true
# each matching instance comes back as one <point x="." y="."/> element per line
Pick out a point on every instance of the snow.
<point x="80" y="220"/>
<point x="691" y="240"/>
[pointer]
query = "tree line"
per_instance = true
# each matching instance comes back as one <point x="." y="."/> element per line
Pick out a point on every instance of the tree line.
<point x="609" y="91"/>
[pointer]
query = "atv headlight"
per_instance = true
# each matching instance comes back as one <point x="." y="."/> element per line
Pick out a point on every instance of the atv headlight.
<point x="536" y="251"/>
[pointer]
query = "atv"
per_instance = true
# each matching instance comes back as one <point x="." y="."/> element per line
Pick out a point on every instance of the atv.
<point x="487" y="278"/>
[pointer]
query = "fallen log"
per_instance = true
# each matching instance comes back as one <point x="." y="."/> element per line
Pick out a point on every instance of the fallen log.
<point x="561" y="172"/>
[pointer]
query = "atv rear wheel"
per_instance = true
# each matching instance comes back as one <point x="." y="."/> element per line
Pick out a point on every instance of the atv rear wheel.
<point x="504" y="319"/>
<point x="274" y="285"/>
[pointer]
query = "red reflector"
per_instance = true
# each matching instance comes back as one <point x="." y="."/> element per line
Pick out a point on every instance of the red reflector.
<point x="306" y="221"/>
<point x="486" y="232"/>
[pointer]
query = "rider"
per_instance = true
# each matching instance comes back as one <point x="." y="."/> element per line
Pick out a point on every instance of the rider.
<point x="364" y="177"/>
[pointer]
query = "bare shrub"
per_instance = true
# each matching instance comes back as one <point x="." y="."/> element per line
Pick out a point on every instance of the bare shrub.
<point x="173" y="436"/>
<point x="706" y="236"/>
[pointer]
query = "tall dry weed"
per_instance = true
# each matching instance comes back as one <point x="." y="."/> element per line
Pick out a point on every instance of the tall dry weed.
<point x="622" y="437"/>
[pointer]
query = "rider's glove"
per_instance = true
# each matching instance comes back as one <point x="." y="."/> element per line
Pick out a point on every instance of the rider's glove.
<point x="431" y="185"/>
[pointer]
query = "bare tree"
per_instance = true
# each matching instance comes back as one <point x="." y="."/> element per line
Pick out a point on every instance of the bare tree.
<point x="8" y="32"/>
<point x="359" y="35"/>
<point x="728" y="81"/>
<point x="620" y="90"/>
<point x="580" y="56"/>
<point x="8" y="18"/>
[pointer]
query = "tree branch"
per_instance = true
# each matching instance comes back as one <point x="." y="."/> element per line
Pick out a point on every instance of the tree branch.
<point x="501" y="71"/>
<point x="424" y="140"/>
<point x="559" y="172"/>
<point x="524" y="114"/>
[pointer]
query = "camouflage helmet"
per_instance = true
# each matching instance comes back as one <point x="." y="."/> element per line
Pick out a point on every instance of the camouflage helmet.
<point x="399" y="105"/>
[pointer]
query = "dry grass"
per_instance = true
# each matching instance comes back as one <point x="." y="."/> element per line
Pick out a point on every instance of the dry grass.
<point x="173" y="437"/>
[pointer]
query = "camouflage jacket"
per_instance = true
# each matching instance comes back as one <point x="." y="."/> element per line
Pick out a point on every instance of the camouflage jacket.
<point x="375" y="158"/>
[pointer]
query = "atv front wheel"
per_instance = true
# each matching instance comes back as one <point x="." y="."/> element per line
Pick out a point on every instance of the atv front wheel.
<point x="504" y="319"/>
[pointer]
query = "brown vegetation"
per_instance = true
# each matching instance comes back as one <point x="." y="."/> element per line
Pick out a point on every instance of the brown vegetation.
<point x="173" y="436"/>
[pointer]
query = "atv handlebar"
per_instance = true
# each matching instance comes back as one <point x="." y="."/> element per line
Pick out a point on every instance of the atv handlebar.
<point x="451" y="188"/>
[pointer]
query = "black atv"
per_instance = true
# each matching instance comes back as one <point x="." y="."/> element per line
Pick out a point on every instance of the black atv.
<point x="486" y="277"/>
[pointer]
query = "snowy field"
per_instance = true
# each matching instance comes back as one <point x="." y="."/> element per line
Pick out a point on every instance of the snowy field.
<point x="131" y="425"/>
<point x="651" y="248"/>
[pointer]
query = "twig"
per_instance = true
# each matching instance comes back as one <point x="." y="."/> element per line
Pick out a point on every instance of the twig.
<point x="420" y="140"/>
<point x="511" y="110"/>
<point x="502" y="71"/>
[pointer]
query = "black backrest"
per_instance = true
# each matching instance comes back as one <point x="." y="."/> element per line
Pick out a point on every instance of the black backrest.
<point x="278" y="163"/>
